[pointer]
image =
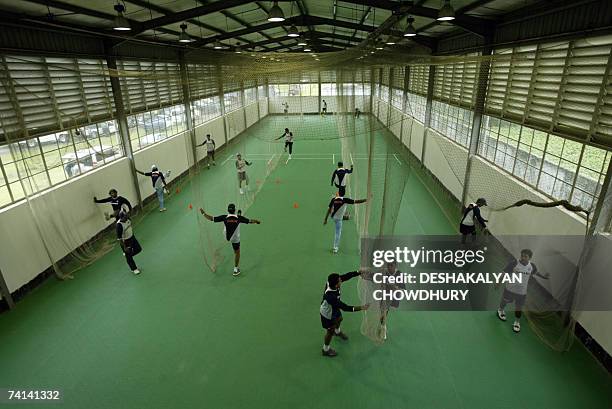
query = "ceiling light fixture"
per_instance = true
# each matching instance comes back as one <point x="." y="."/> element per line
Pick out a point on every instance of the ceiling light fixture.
<point x="238" y="49"/>
<point x="276" y="13"/>
<point x="218" y="45"/>
<point x="293" y="31"/>
<point x="120" y="22"/>
<point x="446" y="13"/>
<point x="410" y="30"/>
<point x="307" y="50"/>
<point x="184" y="37"/>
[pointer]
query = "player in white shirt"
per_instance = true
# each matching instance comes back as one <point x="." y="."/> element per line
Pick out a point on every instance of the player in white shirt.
<point x="517" y="292"/>
<point x="210" y="150"/>
<point x="288" y="141"/>
<point x="285" y="108"/>
<point x="241" y="165"/>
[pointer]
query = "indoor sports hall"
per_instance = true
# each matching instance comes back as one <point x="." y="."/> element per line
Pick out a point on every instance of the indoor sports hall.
<point x="185" y="185"/>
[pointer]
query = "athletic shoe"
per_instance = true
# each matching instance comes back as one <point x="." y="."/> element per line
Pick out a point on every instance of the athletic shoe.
<point x="236" y="272"/>
<point x="241" y="191"/>
<point x="516" y="327"/>
<point x="136" y="272"/>
<point x="501" y="314"/>
<point x="208" y="166"/>
<point x="330" y="352"/>
<point x="214" y="163"/>
<point x="341" y="335"/>
<point x="163" y="209"/>
<point x="289" y="156"/>
<point x="383" y="331"/>
<point x="335" y="250"/>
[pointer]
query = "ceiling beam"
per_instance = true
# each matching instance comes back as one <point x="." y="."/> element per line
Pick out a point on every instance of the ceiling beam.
<point x="314" y="21"/>
<point x="199" y="11"/>
<point x="480" y="26"/>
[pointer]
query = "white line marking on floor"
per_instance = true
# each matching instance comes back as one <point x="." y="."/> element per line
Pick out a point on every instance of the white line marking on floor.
<point x="228" y="158"/>
<point x="333" y="157"/>
<point x="351" y="155"/>
<point x="398" y="161"/>
<point x="271" y="157"/>
<point x="287" y="160"/>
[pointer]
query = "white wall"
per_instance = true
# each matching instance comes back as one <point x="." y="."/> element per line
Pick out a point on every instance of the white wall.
<point x="66" y="216"/>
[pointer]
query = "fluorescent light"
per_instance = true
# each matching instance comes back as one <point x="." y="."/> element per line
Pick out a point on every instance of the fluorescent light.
<point x="301" y="43"/>
<point x="446" y="13"/>
<point x="307" y="50"/>
<point x="410" y="30"/>
<point x="293" y="31"/>
<point x="120" y="23"/>
<point x="218" y="45"/>
<point x="184" y="37"/>
<point x="276" y="13"/>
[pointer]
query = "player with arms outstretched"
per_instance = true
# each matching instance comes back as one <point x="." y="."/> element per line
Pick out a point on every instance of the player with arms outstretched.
<point x="232" y="222"/>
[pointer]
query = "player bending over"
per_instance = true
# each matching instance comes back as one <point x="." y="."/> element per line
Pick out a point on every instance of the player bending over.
<point x="468" y="221"/>
<point x="339" y="178"/>
<point x="232" y="221"/>
<point x="517" y="292"/>
<point x="159" y="184"/>
<point x="128" y="241"/>
<point x="331" y="310"/>
<point x="210" y="150"/>
<point x="241" y="165"/>
<point x="337" y="208"/>
<point x="118" y="203"/>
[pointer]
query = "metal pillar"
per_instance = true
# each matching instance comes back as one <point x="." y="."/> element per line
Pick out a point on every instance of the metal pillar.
<point x="187" y="106"/>
<point x="481" y="93"/>
<point x="427" y="122"/>
<point x="222" y="102"/>
<point x="111" y="62"/>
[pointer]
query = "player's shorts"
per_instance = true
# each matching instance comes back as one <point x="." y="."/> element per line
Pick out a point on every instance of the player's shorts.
<point x="210" y="152"/>
<point x="341" y="190"/>
<point x="236" y="246"/>
<point x="242" y="176"/>
<point x="330" y="324"/>
<point x="464" y="229"/>
<point x="518" y="299"/>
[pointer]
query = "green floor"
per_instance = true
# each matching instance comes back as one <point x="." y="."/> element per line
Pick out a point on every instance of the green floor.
<point x="179" y="336"/>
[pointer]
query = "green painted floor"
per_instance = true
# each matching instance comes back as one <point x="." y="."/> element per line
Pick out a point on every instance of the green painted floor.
<point x="180" y="336"/>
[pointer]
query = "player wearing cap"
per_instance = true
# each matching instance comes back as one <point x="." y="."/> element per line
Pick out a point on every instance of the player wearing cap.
<point x="470" y="216"/>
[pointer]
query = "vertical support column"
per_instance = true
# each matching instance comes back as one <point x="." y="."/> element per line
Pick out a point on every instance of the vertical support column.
<point x="5" y="293"/>
<point x="372" y="87"/>
<point x="481" y="92"/>
<point x="427" y="123"/>
<point x="602" y="217"/>
<point x="391" y="75"/>
<point x="257" y="99"/>
<point x="267" y="85"/>
<point x="404" y="101"/>
<point x="111" y="62"/>
<point x="222" y="102"/>
<point x="320" y="96"/>
<point x="243" y="100"/>
<point x="187" y="106"/>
